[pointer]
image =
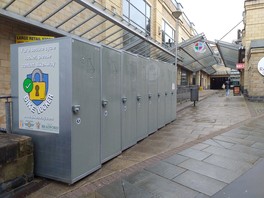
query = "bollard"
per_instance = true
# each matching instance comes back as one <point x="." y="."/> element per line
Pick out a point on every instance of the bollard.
<point x="7" y="113"/>
<point x="8" y="116"/>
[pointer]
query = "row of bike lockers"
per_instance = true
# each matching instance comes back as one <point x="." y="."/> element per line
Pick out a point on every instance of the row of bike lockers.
<point x="83" y="104"/>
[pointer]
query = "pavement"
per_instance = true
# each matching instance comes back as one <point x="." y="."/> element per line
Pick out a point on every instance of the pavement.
<point x="213" y="149"/>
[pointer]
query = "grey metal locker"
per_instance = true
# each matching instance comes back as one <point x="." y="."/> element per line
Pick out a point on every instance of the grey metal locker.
<point x="161" y="94"/>
<point x="111" y="109"/>
<point x="152" y="96"/>
<point x="173" y="72"/>
<point x="142" y="99"/>
<point x="129" y="99"/>
<point x="56" y="101"/>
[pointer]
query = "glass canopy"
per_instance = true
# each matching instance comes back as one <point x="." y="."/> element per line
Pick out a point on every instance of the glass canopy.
<point x="86" y="20"/>
<point x="89" y="20"/>
<point x="197" y="54"/>
<point x="229" y="53"/>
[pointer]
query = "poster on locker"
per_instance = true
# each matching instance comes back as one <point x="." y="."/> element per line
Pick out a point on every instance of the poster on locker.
<point x="38" y="87"/>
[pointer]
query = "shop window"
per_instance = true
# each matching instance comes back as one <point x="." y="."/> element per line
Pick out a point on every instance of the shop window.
<point x="184" y="77"/>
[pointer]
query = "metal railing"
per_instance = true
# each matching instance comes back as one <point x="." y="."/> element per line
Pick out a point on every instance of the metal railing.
<point x="7" y="113"/>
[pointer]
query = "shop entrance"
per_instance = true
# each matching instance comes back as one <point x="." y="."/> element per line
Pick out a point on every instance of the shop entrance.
<point x="217" y="82"/>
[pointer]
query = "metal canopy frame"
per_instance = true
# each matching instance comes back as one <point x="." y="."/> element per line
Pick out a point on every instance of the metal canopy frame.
<point x="86" y="20"/>
<point x="229" y="53"/>
<point x="197" y="60"/>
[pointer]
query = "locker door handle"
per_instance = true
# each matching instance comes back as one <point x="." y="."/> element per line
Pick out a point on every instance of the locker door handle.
<point x="150" y="95"/>
<point x="158" y="94"/>
<point x="104" y="103"/>
<point x="138" y="98"/>
<point x="124" y="99"/>
<point x="172" y="93"/>
<point x="76" y="109"/>
<point x="166" y="93"/>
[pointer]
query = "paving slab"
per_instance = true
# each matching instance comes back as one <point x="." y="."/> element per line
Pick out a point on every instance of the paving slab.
<point x="234" y="140"/>
<point x="235" y="155"/>
<point x="235" y="135"/>
<point x="123" y="189"/>
<point x="224" y="162"/>
<point x="165" y="170"/>
<point x="200" y="146"/>
<point x="248" y="150"/>
<point x="200" y="183"/>
<point x="176" y="159"/>
<point x="258" y="145"/>
<point x="218" y="143"/>
<point x="255" y="139"/>
<point x="195" y="154"/>
<point x="209" y="170"/>
<point x="201" y="195"/>
<point x="166" y="188"/>
<point x="247" y="186"/>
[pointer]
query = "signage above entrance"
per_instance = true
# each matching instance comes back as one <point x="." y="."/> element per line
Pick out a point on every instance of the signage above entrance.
<point x="240" y="66"/>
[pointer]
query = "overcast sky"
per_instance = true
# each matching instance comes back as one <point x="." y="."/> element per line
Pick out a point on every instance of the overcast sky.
<point x="215" y="18"/>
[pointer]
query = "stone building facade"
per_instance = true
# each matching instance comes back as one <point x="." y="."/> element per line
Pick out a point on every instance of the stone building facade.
<point x="253" y="41"/>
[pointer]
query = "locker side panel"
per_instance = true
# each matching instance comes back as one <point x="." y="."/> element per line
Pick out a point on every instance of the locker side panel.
<point x="47" y="121"/>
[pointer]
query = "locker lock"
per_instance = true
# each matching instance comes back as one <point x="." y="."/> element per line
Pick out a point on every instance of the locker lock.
<point x="138" y="98"/>
<point x="104" y="103"/>
<point x="166" y="93"/>
<point x="150" y="95"/>
<point x="75" y="109"/>
<point x="124" y="99"/>
<point x="158" y="94"/>
<point x="172" y="93"/>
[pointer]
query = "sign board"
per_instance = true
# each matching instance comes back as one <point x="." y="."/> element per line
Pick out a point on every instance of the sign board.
<point x="261" y="66"/>
<point x="199" y="47"/>
<point x="240" y="66"/>
<point x="31" y="38"/>
<point x="236" y="90"/>
<point x="38" y="87"/>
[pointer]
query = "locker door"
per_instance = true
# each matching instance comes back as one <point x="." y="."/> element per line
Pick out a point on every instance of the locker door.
<point x="152" y="96"/>
<point x="167" y="95"/>
<point x="161" y="95"/>
<point x="86" y="123"/>
<point x="110" y="114"/>
<point x="142" y="99"/>
<point x="129" y="100"/>
<point x="173" y="91"/>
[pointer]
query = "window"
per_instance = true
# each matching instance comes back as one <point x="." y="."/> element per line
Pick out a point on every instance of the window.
<point x="184" y="77"/>
<point x="167" y="34"/>
<point x="138" y="13"/>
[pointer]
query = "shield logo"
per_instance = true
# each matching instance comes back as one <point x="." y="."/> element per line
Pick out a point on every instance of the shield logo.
<point x="39" y="83"/>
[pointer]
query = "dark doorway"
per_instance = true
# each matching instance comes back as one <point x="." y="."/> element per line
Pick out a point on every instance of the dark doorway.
<point x="217" y="82"/>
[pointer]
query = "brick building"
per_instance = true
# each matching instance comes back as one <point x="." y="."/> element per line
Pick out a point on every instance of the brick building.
<point x="253" y="41"/>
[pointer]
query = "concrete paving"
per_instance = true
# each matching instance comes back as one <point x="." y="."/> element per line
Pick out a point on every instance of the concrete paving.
<point x="198" y="155"/>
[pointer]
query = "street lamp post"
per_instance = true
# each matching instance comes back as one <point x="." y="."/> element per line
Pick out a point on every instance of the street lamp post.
<point x="176" y="15"/>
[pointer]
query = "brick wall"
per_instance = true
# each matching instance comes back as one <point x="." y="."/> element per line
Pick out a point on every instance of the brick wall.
<point x="256" y="80"/>
<point x="16" y="161"/>
<point x="254" y="30"/>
